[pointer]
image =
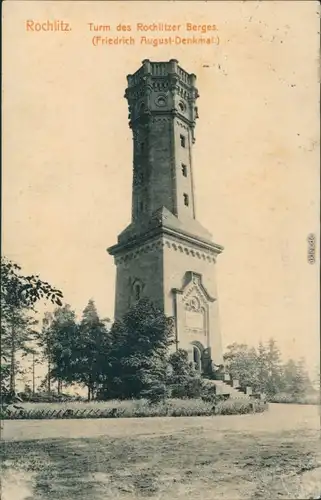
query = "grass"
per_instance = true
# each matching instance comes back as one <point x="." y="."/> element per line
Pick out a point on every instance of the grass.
<point x="210" y="459"/>
<point x="135" y="408"/>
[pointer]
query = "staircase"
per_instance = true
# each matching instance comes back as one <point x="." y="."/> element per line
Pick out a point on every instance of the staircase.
<point x="222" y="388"/>
<point x="226" y="389"/>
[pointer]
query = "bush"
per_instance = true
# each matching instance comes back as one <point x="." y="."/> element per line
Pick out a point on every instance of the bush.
<point x="184" y="382"/>
<point x="155" y="393"/>
<point x="240" y="406"/>
<point x="209" y="392"/>
<point x="45" y="397"/>
<point x="186" y="387"/>
<point x="308" y="399"/>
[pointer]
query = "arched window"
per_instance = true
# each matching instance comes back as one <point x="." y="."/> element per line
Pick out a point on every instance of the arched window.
<point x="137" y="288"/>
<point x="181" y="106"/>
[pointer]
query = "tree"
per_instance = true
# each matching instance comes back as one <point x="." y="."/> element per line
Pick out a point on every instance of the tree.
<point x="17" y="330"/>
<point x="63" y="343"/>
<point x="44" y="341"/>
<point x="23" y="291"/>
<point x="19" y="295"/>
<point x="180" y="365"/>
<point x="184" y="381"/>
<point x="77" y="352"/>
<point x="242" y="363"/>
<point x="296" y="379"/>
<point x="139" y="350"/>
<point x="316" y="379"/>
<point x="94" y="349"/>
<point x="274" y="381"/>
<point x="262" y="369"/>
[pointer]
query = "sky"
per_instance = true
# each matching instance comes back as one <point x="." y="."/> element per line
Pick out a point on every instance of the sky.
<point x="67" y="153"/>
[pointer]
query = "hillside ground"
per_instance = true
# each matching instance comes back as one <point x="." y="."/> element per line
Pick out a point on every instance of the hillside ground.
<point x="272" y="455"/>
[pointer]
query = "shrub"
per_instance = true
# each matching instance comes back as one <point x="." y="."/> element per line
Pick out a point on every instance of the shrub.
<point x="309" y="399"/>
<point x="184" y="381"/>
<point x="240" y="406"/>
<point x="186" y="387"/>
<point x="209" y="392"/>
<point x="155" y="393"/>
<point x="180" y="363"/>
<point x="45" y="397"/>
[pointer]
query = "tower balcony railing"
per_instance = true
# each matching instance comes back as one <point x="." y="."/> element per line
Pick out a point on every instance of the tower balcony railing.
<point x="160" y="69"/>
<point x="135" y="78"/>
<point x="183" y="75"/>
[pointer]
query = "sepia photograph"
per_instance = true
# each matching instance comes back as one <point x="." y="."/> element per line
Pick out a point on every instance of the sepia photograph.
<point x="160" y="250"/>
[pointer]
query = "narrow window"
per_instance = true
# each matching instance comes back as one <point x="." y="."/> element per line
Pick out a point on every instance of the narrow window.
<point x="137" y="292"/>
<point x="183" y="140"/>
<point x="186" y="201"/>
<point x="142" y="147"/>
<point x="184" y="170"/>
<point x="141" y="206"/>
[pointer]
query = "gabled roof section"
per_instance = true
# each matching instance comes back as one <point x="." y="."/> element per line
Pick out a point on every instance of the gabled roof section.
<point x="193" y="284"/>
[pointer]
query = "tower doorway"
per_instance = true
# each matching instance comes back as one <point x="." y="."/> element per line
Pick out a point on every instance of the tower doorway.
<point x="197" y="359"/>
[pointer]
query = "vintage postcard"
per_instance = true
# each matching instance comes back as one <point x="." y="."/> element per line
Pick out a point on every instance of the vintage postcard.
<point x="160" y="250"/>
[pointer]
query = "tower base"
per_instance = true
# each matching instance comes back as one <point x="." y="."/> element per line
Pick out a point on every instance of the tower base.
<point x="176" y="271"/>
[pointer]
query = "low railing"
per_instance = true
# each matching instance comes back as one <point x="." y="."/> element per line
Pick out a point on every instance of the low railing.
<point x="62" y="413"/>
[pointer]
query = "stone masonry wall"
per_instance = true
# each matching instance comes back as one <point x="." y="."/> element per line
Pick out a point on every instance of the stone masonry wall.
<point x="160" y="266"/>
<point x="179" y="258"/>
<point x="161" y="181"/>
<point x="143" y="265"/>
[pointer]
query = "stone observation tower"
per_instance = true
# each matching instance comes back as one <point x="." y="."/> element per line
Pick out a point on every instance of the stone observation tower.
<point x="165" y="254"/>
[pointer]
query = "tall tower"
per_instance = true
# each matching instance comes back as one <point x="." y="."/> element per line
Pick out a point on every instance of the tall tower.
<point x="165" y="253"/>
